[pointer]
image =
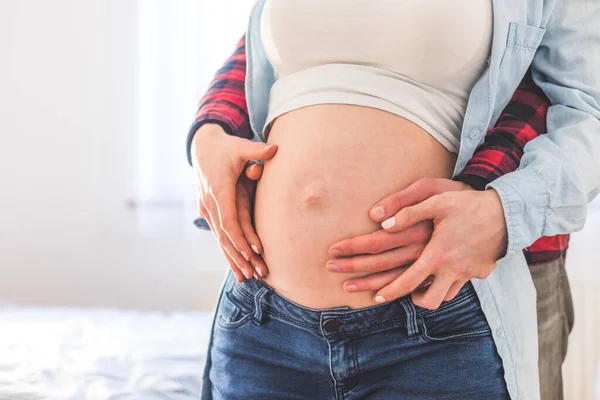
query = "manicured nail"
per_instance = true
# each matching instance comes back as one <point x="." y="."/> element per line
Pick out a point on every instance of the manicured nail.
<point x="255" y="249"/>
<point x="379" y="299"/>
<point x="389" y="223"/>
<point x="268" y="147"/>
<point x="333" y="267"/>
<point x="351" y="288"/>
<point x="258" y="271"/>
<point x="335" y="253"/>
<point x="378" y="213"/>
<point x="245" y="255"/>
<point x="247" y="274"/>
<point x="256" y="276"/>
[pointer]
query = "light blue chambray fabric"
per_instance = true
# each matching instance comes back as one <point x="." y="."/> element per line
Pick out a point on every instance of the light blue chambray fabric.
<point x="559" y="172"/>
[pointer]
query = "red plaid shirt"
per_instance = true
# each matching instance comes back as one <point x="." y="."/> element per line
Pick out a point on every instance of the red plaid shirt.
<point x="523" y="119"/>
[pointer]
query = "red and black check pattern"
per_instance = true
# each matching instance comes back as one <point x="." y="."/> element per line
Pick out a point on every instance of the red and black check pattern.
<point x="523" y="119"/>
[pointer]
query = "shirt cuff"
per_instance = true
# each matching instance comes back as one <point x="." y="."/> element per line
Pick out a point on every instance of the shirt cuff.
<point x="475" y="181"/>
<point x="525" y="200"/>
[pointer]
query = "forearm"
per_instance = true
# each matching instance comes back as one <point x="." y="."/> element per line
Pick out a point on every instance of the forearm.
<point x="522" y="120"/>
<point x="559" y="172"/>
<point x="224" y="103"/>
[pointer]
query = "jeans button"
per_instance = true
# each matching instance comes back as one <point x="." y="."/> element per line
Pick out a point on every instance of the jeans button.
<point x="331" y="325"/>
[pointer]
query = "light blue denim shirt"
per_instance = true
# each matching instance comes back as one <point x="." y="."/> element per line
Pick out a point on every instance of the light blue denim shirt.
<point x="559" y="173"/>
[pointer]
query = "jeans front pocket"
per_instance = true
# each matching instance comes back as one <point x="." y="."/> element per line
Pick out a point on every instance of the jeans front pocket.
<point x="457" y="319"/>
<point x="235" y="309"/>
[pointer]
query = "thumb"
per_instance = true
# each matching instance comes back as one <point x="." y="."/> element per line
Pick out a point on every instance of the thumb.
<point x="250" y="150"/>
<point x="419" y="191"/>
<point x="254" y="171"/>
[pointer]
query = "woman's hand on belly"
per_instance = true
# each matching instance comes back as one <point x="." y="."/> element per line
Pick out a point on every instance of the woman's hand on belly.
<point x="469" y="236"/>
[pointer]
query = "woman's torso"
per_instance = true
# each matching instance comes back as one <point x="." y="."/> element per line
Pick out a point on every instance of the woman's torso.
<point x="507" y="296"/>
<point x="335" y="161"/>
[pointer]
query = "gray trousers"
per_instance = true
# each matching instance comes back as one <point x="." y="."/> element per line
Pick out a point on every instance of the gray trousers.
<point x="555" y="322"/>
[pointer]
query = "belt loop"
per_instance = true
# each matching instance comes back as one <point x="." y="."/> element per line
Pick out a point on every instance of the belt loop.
<point x="412" y="327"/>
<point x="258" y="309"/>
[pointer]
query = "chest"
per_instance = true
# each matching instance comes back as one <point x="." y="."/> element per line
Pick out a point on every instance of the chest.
<point x="427" y="40"/>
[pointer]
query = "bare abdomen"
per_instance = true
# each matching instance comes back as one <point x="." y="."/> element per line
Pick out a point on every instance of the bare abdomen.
<point x="333" y="164"/>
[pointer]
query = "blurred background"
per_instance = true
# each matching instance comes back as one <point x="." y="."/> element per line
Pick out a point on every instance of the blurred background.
<point x="106" y="287"/>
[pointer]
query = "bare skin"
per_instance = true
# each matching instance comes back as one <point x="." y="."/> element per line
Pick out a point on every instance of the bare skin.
<point x="333" y="163"/>
<point x="373" y="264"/>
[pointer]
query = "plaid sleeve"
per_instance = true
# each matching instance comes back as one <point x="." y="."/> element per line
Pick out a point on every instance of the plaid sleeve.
<point x="225" y="101"/>
<point x="523" y="119"/>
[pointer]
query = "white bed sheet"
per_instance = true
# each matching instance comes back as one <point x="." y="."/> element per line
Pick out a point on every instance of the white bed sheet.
<point x="98" y="354"/>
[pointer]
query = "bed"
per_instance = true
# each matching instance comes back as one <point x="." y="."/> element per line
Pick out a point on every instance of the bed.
<point x="99" y="354"/>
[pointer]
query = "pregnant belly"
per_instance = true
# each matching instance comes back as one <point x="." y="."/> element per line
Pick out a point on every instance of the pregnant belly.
<point x="333" y="164"/>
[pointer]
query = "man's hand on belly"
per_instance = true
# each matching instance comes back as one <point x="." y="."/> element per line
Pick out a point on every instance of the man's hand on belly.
<point x="386" y="255"/>
<point x="469" y="236"/>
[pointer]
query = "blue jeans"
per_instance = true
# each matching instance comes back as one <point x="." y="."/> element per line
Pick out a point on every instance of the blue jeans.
<point x="264" y="346"/>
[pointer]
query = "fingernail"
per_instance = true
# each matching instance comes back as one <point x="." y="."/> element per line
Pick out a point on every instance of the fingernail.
<point x="247" y="274"/>
<point x="335" y="253"/>
<point x="258" y="271"/>
<point x="255" y="249"/>
<point x="379" y="299"/>
<point x="256" y="277"/>
<point x="388" y="223"/>
<point x="378" y="213"/>
<point x="334" y="267"/>
<point x="268" y="147"/>
<point x="245" y="255"/>
<point x="351" y="288"/>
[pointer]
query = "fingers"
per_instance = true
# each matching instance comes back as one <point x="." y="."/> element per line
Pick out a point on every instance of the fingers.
<point x="378" y="262"/>
<point x="244" y="207"/>
<point x="406" y="283"/>
<point x="432" y="297"/>
<point x="254" y="171"/>
<point x="417" y="192"/>
<point x="225" y="200"/>
<point x="245" y="219"/>
<point x="239" y="276"/>
<point x="412" y="215"/>
<point x="454" y="289"/>
<point x="250" y="150"/>
<point x="223" y="238"/>
<point x="374" y="281"/>
<point x="381" y="241"/>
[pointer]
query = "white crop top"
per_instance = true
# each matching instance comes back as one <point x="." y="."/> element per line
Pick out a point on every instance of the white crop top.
<point x="418" y="59"/>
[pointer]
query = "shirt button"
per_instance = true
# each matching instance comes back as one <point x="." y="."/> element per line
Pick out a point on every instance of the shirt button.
<point x="475" y="134"/>
<point x="500" y="332"/>
<point x="331" y="325"/>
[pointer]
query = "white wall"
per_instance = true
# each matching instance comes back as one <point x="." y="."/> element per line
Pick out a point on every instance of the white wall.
<point x="68" y="104"/>
<point x="582" y="367"/>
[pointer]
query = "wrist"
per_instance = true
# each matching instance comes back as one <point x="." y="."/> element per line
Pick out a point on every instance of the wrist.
<point x="209" y="129"/>
<point x="205" y="137"/>
<point x="207" y="132"/>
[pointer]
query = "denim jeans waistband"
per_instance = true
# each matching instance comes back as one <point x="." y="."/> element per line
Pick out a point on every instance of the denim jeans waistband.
<point x="342" y="320"/>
